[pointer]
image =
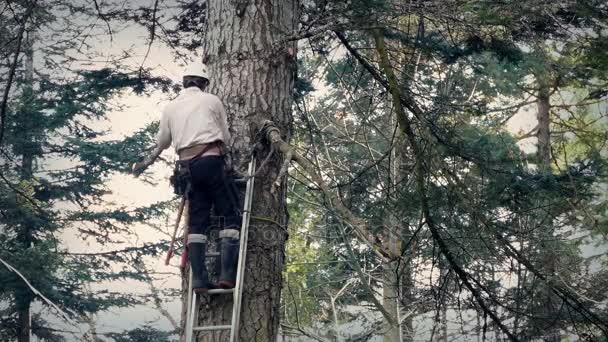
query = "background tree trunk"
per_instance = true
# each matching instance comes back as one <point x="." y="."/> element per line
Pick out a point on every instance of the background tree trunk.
<point x="253" y="71"/>
<point x="390" y="290"/>
<point x="24" y="296"/>
<point x="544" y="134"/>
<point x="391" y="269"/>
<point x="551" y="302"/>
<point x="397" y="275"/>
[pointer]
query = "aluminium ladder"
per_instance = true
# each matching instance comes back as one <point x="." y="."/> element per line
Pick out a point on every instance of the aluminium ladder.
<point x="194" y="299"/>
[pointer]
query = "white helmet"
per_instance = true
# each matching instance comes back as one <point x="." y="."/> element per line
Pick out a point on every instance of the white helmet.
<point x="197" y="69"/>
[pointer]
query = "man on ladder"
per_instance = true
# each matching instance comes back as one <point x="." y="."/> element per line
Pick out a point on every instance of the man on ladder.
<point x="196" y="123"/>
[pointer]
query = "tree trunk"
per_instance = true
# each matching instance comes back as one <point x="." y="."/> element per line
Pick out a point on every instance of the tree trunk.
<point x="25" y="323"/>
<point x="543" y="134"/>
<point x="407" y="294"/>
<point x="24" y="294"/>
<point x="550" y="309"/>
<point x="391" y="269"/>
<point x="253" y="72"/>
<point x="390" y="295"/>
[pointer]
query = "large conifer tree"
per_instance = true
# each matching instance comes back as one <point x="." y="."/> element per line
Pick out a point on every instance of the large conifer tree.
<point x="252" y="66"/>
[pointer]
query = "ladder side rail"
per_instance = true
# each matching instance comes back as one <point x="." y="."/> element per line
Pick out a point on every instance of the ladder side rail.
<point x="196" y="302"/>
<point x="189" y="319"/>
<point x="240" y="273"/>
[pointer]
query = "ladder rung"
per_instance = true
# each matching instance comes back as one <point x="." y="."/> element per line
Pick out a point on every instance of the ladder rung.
<point x="220" y="291"/>
<point x="212" y="255"/>
<point x="212" y="328"/>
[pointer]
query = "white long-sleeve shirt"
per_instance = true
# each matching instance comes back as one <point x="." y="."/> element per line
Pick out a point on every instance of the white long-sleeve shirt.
<point x="194" y="117"/>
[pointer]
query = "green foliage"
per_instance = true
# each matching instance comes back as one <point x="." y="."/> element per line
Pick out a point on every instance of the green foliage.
<point x="54" y="166"/>
<point x="146" y="333"/>
<point x="468" y="72"/>
<point x="303" y="87"/>
<point x="300" y="258"/>
<point x="487" y="149"/>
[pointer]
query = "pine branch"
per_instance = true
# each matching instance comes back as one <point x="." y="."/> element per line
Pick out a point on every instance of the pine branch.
<point x="13" y="68"/>
<point x="121" y="251"/>
<point x="62" y="313"/>
<point x="406" y="127"/>
<point x="25" y="196"/>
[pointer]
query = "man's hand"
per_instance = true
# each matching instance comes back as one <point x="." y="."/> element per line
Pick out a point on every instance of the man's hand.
<point x="139" y="168"/>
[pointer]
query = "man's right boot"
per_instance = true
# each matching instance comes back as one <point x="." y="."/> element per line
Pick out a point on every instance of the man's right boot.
<point x="229" y="255"/>
<point x="197" y="245"/>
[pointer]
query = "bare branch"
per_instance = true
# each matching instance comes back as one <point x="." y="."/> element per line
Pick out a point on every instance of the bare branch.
<point x="360" y="225"/>
<point x="152" y="36"/>
<point x="105" y="19"/>
<point x="62" y="313"/>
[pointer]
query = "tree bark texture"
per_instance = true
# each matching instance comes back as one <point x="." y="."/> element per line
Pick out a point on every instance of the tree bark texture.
<point x="551" y="303"/>
<point x="252" y="70"/>
<point x="543" y="134"/>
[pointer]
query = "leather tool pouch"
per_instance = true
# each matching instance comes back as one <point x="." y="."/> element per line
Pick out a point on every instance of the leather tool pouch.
<point x="181" y="177"/>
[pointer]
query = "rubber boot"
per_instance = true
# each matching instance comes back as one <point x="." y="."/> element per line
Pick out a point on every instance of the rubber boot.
<point x="229" y="255"/>
<point x="197" y="248"/>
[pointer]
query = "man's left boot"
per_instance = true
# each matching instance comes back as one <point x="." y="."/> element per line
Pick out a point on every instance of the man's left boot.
<point x="229" y="255"/>
<point x="197" y="248"/>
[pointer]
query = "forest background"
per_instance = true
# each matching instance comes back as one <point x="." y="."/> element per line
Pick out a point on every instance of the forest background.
<point x="454" y="187"/>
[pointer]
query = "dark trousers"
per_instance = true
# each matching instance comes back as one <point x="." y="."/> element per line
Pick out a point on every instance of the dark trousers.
<point x="209" y="189"/>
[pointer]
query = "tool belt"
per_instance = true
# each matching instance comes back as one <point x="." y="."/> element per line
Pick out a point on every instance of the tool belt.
<point x="182" y="178"/>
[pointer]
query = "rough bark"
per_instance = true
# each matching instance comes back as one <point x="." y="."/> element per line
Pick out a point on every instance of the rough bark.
<point x="407" y="294"/>
<point x="253" y="70"/>
<point x="543" y="133"/>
